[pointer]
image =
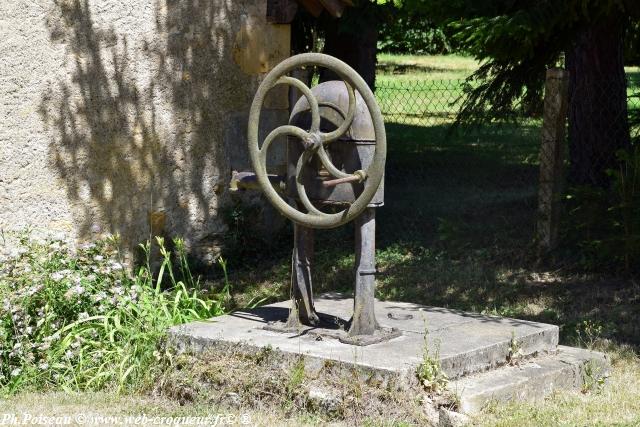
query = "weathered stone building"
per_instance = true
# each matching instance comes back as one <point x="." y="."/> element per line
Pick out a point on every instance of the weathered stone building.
<point x="128" y="117"/>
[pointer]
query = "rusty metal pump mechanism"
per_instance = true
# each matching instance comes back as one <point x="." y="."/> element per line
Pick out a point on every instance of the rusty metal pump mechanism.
<point x="336" y="152"/>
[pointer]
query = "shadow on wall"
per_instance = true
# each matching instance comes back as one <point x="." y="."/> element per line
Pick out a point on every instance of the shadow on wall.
<point x="137" y="125"/>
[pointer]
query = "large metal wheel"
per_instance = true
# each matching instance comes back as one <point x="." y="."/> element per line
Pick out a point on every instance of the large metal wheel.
<point x="315" y="141"/>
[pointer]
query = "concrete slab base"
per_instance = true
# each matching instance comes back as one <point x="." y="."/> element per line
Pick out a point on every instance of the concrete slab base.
<point x="473" y="349"/>
<point x="569" y="368"/>
<point x="466" y="342"/>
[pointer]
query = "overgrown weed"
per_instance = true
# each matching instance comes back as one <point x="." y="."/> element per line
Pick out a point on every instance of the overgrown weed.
<point x="79" y="319"/>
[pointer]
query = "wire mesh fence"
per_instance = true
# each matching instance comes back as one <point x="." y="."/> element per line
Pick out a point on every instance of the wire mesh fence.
<point x="465" y="187"/>
<point x="603" y="173"/>
<point x="463" y="203"/>
<point x="460" y="223"/>
<point x="476" y="188"/>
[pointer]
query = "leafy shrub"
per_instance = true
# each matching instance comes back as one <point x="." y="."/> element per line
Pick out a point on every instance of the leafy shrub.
<point x="408" y="32"/>
<point x="78" y="320"/>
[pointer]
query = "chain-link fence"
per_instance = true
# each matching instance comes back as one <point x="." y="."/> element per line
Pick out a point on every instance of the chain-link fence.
<point x="465" y="204"/>
<point x="602" y="212"/>
<point x="465" y="188"/>
<point x="477" y="189"/>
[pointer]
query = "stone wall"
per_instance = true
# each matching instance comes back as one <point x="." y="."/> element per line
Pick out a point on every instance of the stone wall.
<point x="128" y="116"/>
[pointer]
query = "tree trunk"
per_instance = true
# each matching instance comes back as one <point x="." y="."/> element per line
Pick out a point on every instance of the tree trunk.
<point x="357" y="46"/>
<point x="598" y="121"/>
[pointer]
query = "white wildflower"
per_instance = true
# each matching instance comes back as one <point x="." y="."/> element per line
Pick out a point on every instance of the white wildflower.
<point x="98" y="258"/>
<point x="34" y="290"/>
<point x="16" y="372"/>
<point x="75" y="290"/>
<point x="57" y="276"/>
<point x="99" y="296"/>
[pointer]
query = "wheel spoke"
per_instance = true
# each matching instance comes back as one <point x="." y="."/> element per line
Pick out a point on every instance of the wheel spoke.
<point x="348" y="120"/>
<point x="328" y="165"/>
<point x="302" y="194"/>
<point x="313" y="102"/>
<point x="279" y="131"/>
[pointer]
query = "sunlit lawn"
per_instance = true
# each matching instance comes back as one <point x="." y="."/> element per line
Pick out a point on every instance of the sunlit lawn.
<point x="457" y="230"/>
<point x="435" y="67"/>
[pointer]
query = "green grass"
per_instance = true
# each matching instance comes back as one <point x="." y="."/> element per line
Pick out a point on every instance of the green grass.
<point x="435" y="67"/>
<point x="456" y="231"/>
<point x="616" y="403"/>
<point x="76" y="319"/>
<point x="423" y="90"/>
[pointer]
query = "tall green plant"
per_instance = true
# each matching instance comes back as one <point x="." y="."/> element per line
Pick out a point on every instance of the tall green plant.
<point x="80" y="321"/>
<point x="406" y="31"/>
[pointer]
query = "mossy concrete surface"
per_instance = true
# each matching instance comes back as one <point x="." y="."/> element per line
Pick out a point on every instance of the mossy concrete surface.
<point x="464" y="343"/>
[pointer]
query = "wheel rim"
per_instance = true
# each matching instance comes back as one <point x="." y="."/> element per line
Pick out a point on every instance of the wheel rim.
<point x="316" y="140"/>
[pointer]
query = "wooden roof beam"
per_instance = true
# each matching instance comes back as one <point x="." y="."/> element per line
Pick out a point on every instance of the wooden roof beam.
<point x="334" y="7"/>
<point x="314" y="7"/>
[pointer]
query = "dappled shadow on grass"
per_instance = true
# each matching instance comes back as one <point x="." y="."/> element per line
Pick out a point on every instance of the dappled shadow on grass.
<point x="633" y="79"/>
<point x="457" y="231"/>
<point x="469" y="187"/>
<point x="465" y="191"/>
<point x="392" y="67"/>
<point x="481" y="283"/>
